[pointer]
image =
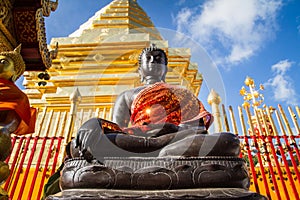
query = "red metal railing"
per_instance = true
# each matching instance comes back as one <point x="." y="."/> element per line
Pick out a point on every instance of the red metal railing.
<point x="270" y="146"/>
<point x="272" y="175"/>
<point x="32" y="161"/>
<point x="275" y="173"/>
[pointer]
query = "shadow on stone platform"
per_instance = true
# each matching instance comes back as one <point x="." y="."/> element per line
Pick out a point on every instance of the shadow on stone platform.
<point x="179" y="194"/>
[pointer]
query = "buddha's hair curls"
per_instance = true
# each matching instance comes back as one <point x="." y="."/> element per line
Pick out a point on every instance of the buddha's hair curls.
<point x="152" y="47"/>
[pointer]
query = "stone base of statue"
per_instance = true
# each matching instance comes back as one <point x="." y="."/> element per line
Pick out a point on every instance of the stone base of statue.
<point x="214" y="177"/>
<point x="155" y="173"/>
<point x="178" y="194"/>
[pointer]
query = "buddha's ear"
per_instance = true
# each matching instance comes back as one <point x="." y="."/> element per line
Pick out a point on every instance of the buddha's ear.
<point x="165" y="74"/>
<point x="18" y="48"/>
<point x="140" y="72"/>
<point x="14" y="78"/>
<point x="17" y="61"/>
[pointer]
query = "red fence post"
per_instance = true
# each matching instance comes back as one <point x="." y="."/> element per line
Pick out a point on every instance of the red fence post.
<point x="14" y="163"/>
<point x="278" y="168"/>
<point x="28" y="168"/>
<point x="20" y="166"/>
<point x="251" y="163"/>
<point x="56" y="155"/>
<point x="45" y="169"/>
<point x="37" y="167"/>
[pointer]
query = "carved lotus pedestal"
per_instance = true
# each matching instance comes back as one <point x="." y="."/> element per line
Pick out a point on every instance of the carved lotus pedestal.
<point x="222" y="177"/>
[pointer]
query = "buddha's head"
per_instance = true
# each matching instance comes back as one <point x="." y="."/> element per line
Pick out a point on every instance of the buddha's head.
<point x="12" y="65"/>
<point x="153" y="65"/>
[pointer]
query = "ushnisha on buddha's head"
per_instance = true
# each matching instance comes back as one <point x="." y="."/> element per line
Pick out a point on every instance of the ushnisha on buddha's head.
<point x="153" y="65"/>
<point x="12" y="65"/>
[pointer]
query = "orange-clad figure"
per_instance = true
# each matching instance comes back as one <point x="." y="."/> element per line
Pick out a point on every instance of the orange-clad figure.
<point x="16" y="115"/>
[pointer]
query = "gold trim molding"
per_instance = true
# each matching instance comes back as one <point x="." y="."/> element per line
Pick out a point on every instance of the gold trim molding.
<point x="47" y="7"/>
<point x="7" y="41"/>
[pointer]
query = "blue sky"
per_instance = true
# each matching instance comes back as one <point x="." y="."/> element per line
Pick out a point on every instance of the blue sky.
<point x="256" y="38"/>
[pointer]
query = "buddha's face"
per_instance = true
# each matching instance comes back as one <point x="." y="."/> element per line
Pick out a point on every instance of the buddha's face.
<point x="153" y="63"/>
<point x="6" y="67"/>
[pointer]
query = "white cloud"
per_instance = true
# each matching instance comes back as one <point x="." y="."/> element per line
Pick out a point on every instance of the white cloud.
<point x="282" y="66"/>
<point x="232" y="29"/>
<point x="281" y="84"/>
<point x="180" y="2"/>
<point x="298" y="21"/>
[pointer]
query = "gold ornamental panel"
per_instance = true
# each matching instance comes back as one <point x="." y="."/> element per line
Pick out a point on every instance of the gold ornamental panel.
<point x="26" y="26"/>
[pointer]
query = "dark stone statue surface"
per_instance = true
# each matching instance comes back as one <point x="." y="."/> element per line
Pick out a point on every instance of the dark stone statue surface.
<point x="150" y="173"/>
<point x="191" y="194"/>
<point x="159" y="114"/>
<point x="165" y="153"/>
<point x="152" y="69"/>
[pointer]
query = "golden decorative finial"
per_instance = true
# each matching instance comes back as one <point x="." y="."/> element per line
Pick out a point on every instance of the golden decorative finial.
<point x="214" y="97"/>
<point x="75" y="96"/>
<point x="249" y="81"/>
<point x="252" y="97"/>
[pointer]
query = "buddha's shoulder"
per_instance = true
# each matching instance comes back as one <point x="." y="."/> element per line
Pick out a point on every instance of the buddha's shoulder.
<point x="132" y="91"/>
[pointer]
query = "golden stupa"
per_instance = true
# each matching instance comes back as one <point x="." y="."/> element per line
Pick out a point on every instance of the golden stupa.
<point x="92" y="66"/>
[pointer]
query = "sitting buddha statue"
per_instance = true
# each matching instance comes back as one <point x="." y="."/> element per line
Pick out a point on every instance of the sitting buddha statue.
<point x="157" y="145"/>
<point x="16" y="116"/>
<point x="158" y="113"/>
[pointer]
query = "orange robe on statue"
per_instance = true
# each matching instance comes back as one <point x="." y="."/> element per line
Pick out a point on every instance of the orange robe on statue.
<point x="12" y="98"/>
<point x="162" y="103"/>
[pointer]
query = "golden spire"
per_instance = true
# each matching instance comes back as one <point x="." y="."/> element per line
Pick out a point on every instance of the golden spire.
<point x="119" y="17"/>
